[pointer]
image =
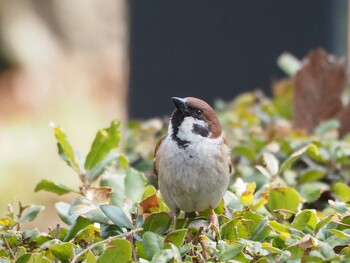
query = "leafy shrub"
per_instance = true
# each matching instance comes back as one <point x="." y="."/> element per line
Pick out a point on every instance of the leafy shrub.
<point x="288" y="200"/>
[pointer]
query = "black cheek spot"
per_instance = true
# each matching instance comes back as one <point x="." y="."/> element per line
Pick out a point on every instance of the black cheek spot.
<point x="201" y="130"/>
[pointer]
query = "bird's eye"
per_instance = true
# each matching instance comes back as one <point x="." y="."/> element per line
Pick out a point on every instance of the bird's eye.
<point x="198" y="111"/>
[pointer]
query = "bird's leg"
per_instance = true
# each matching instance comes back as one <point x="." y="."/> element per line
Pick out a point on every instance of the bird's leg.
<point x="213" y="223"/>
<point x="175" y="215"/>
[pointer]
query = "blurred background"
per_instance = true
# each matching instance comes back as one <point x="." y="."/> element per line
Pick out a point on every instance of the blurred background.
<point x="83" y="63"/>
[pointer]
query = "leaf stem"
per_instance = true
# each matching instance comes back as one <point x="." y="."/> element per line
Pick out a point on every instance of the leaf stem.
<point x="103" y="241"/>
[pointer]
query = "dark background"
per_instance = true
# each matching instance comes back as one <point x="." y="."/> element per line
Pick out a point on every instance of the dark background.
<point x="217" y="49"/>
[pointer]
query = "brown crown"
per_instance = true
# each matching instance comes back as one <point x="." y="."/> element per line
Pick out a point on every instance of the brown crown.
<point x="208" y="113"/>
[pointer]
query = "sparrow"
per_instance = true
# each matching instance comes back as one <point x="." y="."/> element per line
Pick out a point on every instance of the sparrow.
<point x="192" y="162"/>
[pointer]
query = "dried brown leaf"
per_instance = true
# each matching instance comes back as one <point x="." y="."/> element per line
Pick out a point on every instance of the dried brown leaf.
<point x="318" y="86"/>
<point x="101" y="195"/>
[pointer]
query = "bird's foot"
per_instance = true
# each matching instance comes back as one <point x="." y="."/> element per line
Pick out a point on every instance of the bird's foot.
<point x="214" y="224"/>
<point x="175" y="215"/>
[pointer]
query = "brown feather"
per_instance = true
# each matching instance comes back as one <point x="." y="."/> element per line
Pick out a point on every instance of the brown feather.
<point x="155" y="159"/>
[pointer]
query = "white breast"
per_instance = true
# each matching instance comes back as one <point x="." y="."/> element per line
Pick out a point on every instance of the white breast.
<point x="196" y="177"/>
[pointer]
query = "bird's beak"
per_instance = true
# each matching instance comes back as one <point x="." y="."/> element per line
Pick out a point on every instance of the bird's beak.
<point x="180" y="104"/>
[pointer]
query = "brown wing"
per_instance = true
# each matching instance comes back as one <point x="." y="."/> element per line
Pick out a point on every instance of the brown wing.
<point x="230" y="162"/>
<point x="155" y="159"/>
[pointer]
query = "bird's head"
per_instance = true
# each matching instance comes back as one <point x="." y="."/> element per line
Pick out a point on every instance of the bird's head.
<point x="192" y="119"/>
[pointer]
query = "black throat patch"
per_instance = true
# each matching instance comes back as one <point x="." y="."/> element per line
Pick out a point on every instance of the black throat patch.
<point x="176" y="120"/>
<point x="201" y="130"/>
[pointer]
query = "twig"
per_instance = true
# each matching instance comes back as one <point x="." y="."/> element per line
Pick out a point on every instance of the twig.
<point x="8" y="246"/>
<point x="101" y="242"/>
<point x="204" y="253"/>
<point x="130" y="238"/>
<point x="21" y="210"/>
<point x="58" y="231"/>
<point x="195" y="239"/>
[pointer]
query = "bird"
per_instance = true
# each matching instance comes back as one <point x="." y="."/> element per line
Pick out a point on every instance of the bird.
<point x="192" y="161"/>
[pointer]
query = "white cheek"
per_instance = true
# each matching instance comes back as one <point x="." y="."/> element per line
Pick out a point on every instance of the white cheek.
<point x="186" y="129"/>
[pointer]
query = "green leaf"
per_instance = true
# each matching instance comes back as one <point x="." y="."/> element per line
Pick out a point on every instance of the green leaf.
<point x="119" y="251"/>
<point x="65" y="149"/>
<point x="314" y="153"/>
<point x="339" y="233"/>
<point x="79" y="224"/>
<point x="149" y="190"/>
<point x="283" y="198"/>
<point x="105" y="141"/>
<point x="62" y="209"/>
<point x="135" y="183"/>
<point x="52" y="187"/>
<point x="157" y="222"/>
<point x="307" y="218"/>
<point x="152" y="243"/>
<point x="287" y="164"/>
<point x="324" y="221"/>
<point x="100" y="167"/>
<point x="90" y="257"/>
<point x="117" y="216"/>
<point x="33" y="258"/>
<point x="64" y="251"/>
<point x="177" y="237"/>
<point x="31" y="213"/>
<point x="245" y="151"/>
<point x="312" y="175"/>
<point x="22" y="259"/>
<point x="227" y="252"/>
<point x="261" y="231"/>
<point x="342" y="190"/>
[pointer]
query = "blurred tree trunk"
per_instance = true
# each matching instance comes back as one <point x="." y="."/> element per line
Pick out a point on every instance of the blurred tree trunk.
<point x="64" y="48"/>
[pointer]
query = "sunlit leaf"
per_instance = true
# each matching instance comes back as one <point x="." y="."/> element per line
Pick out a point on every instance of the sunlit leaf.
<point x="105" y="141"/>
<point x="342" y="190"/>
<point x="307" y="218"/>
<point x="119" y="251"/>
<point x="283" y="198"/>
<point x="65" y="149"/>
<point x="247" y="197"/>
<point x="64" y="251"/>
<point x="176" y="237"/>
<point x="52" y="187"/>
<point x="79" y="224"/>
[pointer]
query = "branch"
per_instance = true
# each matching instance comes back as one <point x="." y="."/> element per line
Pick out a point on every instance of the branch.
<point x="103" y="241"/>
<point x="8" y="246"/>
